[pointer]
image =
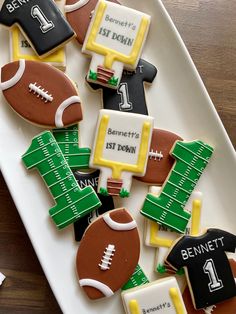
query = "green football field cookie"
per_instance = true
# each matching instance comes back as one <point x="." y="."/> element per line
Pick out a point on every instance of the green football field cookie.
<point x="168" y="208"/>
<point x="72" y="202"/>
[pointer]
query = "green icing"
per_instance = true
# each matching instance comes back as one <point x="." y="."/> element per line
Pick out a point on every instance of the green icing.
<point x="68" y="141"/>
<point x="124" y="193"/>
<point x="168" y="208"/>
<point x="93" y="75"/>
<point x="161" y="269"/>
<point x="103" y="191"/>
<point x="113" y="81"/>
<point x="45" y="155"/>
<point x="180" y="272"/>
<point x="137" y="279"/>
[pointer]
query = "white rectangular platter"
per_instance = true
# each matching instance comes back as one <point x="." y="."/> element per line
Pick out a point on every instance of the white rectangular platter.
<point x="178" y="101"/>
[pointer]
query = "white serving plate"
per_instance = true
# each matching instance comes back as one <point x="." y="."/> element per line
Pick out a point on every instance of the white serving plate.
<point x="179" y="102"/>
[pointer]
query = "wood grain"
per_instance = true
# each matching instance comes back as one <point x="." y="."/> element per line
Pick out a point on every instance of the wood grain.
<point x="208" y="30"/>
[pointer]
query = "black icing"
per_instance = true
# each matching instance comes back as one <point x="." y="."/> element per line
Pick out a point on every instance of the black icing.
<point x="197" y="254"/>
<point x="133" y="82"/>
<point x="85" y="179"/>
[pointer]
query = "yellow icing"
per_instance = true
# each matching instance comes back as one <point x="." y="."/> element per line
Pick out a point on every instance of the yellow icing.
<point x="118" y="167"/>
<point x="176" y="299"/>
<point x="134" y="307"/>
<point x="154" y="239"/>
<point x="196" y="215"/>
<point x="110" y="54"/>
<point x="56" y="57"/>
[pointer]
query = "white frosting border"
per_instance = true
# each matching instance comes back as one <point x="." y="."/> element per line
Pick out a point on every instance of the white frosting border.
<point x="118" y="226"/>
<point x="60" y="110"/>
<point x="16" y="78"/>
<point x="98" y="285"/>
<point x="76" y="6"/>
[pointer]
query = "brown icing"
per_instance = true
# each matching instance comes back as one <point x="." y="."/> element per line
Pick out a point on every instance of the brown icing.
<point x="158" y="170"/>
<point x="114" y="186"/>
<point x="94" y="242"/>
<point x="80" y="19"/>
<point x="226" y="307"/>
<point x="33" y="108"/>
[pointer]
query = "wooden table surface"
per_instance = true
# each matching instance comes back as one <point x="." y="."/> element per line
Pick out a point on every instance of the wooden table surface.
<point x="208" y="28"/>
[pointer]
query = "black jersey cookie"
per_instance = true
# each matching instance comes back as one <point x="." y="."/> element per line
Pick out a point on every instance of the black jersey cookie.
<point x="41" y="21"/>
<point x="206" y="265"/>
<point x="90" y="179"/>
<point x="130" y="95"/>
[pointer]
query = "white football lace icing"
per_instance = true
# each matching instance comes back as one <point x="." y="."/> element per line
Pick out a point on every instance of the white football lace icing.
<point x="107" y="257"/>
<point x="16" y="78"/>
<point x="98" y="285"/>
<point x="40" y="92"/>
<point x="75" y="6"/>
<point x="155" y="155"/>
<point x="119" y="226"/>
<point x="66" y="103"/>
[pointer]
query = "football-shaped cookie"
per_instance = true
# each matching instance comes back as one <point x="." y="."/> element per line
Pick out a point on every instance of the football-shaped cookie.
<point x="108" y="254"/>
<point x="159" y="161"/>
<point x="40" y="93"/>
<point x="79" y="14"/>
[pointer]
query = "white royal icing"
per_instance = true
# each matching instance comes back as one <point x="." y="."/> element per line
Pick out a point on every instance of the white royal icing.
<point x="98" y="285"/>
<point x="118" y="226"/>
<point x="76" y="6"/>
<point x="107" y="257"/>
<point x="60" y="110"/>
<point x="40" y="92"/>
<point x="16" y="78"/>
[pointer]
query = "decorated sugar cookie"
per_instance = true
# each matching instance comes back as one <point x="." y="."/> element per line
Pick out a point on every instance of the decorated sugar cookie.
<point x="130" y="94"/>
<point x="207" y="267"/>
<point x="137" y="279"/>
<point x="114" y="39"/>
<point x="41" y="21"/>
<point x="79" y="14"/>
<point x="20" y="49"/>
<point x="108" y="254"/>
<point x="161" y="296"/>
<point x="160" y="161"/>
<point x="45" y="155"/>
<point x="68" y="141"/>
<point x="168" y="208"/>
<point x="90" y="179"/>
<point x="228" y="306"/>
<point x="41" y="94"/>
<point x="120" y="150"/>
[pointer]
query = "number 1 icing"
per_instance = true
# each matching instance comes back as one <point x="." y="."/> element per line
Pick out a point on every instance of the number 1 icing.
<point x="115" y="39"/>
<point x="168" y="207"/>
<point x="120" y="150"/>
<point x="41" y="21"/>
<point x="71" y="201"/>
<point x="227" y="306"/>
